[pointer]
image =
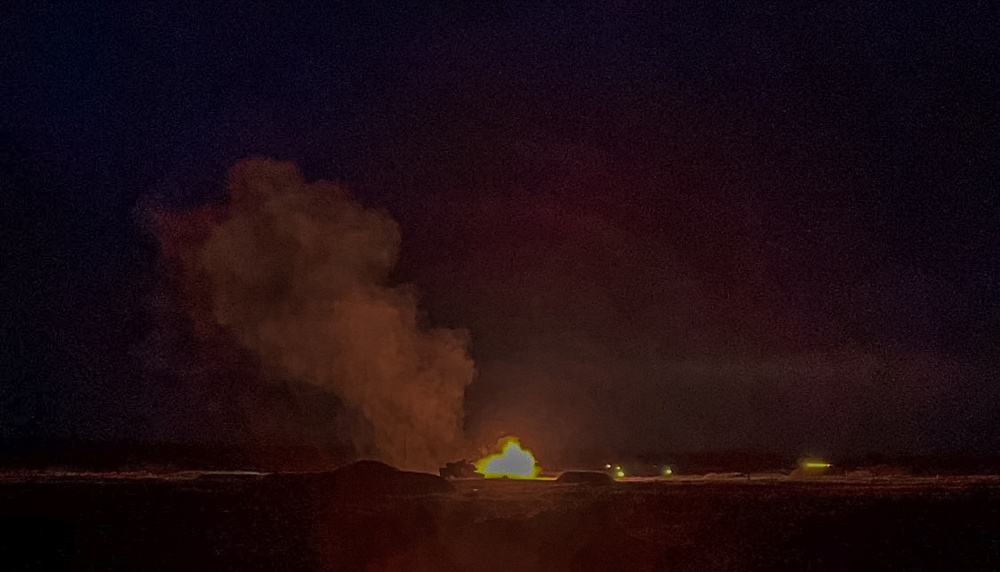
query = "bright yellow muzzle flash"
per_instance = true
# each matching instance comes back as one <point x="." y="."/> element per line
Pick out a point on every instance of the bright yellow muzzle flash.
<point x="512" y="462"/>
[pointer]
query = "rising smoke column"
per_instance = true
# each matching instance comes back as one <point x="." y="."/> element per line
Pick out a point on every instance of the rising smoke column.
<point x="297" y="273"/>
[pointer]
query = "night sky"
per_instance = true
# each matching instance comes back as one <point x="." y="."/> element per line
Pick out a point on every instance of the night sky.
<point x="663" y="227"/>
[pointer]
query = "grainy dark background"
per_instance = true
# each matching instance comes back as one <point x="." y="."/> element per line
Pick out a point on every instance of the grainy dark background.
<point x="667" y="227"/>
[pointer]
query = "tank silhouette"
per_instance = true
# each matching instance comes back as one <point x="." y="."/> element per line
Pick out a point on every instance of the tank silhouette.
<point x="459" y="470"/>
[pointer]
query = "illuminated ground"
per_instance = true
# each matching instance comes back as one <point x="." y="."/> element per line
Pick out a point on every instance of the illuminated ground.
<point x="253" y="522"/>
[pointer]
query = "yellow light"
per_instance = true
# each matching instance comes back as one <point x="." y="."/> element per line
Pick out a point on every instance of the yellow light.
<point x="620" y="473"/>
<point x="817" y="465"/>
<point x="512" y="462"/>
<point x="667" y="471"/>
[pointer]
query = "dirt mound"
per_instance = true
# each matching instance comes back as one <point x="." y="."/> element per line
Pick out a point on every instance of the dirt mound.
<point x="366" y="469"/>
<point x="365" y="479"/>
<point x="373" y="477"/>
<point x="586" y="477"/>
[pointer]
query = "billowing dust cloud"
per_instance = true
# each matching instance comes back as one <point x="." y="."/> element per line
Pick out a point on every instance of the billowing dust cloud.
<point x="298" y="273"/>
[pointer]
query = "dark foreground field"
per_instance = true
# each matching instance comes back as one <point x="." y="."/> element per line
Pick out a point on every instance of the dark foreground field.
<point x="254" y="522"/>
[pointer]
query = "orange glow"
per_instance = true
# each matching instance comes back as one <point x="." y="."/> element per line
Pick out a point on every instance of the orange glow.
<point x="512" y="462"/>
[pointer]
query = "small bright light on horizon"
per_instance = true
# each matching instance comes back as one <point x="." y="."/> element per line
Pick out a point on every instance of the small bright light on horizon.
<point x="817" y="465"/>
<point x="620" y="473"/>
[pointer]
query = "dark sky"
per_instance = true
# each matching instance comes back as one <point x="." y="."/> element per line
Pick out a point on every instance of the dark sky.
<point x="665" y="227"/>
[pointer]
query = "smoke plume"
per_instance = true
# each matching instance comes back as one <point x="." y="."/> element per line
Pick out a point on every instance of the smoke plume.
<point x="298" y="273"/>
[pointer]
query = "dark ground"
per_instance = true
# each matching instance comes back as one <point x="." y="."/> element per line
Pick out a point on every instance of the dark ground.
<point x="253" y="522"/>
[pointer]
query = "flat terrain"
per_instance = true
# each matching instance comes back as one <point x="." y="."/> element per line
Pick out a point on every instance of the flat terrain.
<point x="204" y="521"/>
